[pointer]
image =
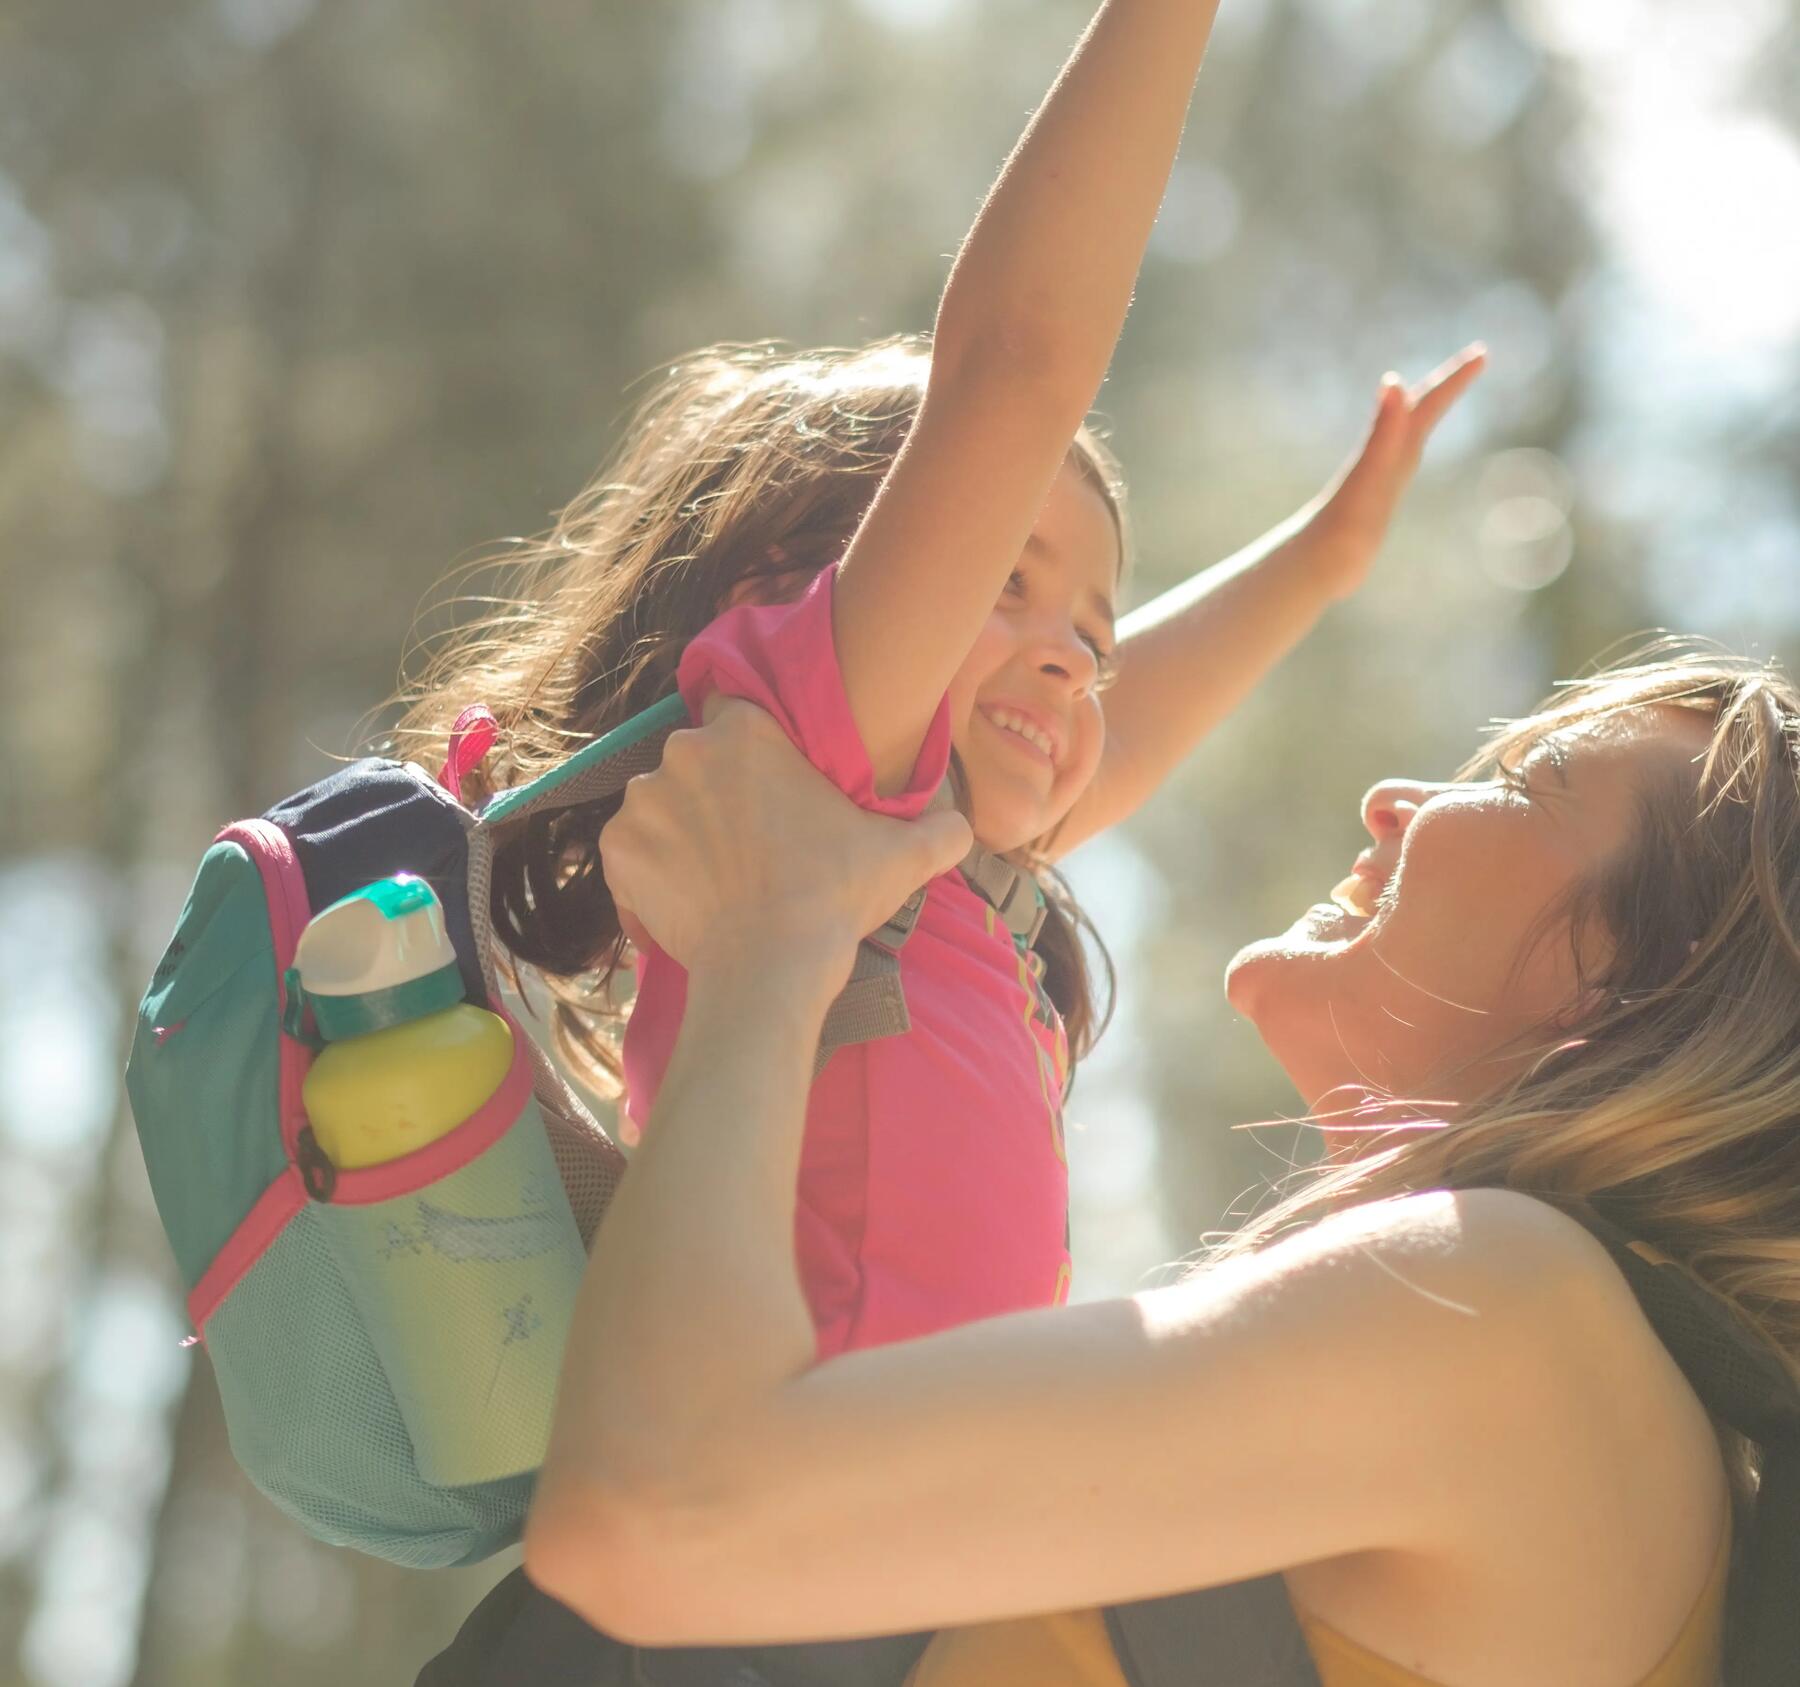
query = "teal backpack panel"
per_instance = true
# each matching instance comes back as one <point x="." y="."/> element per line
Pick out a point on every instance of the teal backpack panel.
<point x="313" y="1418"/>
<point x="203" y="1068"/>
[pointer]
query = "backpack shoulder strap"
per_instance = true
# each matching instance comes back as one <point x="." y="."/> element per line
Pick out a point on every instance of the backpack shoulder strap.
<point x="519" y="1634"/>
<point x="1743" y="1383"/>
<point x="1242" y="1635"/>
<point x="1011" y="891"/>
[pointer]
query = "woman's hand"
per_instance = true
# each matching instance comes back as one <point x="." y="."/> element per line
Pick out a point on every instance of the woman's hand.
<point x="736" y="842"/>
<point x="1350" y="518"/>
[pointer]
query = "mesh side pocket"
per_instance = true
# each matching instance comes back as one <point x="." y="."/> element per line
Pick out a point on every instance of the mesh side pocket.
<point x="314" y="1422"/>
<point x="465" y="1287"/>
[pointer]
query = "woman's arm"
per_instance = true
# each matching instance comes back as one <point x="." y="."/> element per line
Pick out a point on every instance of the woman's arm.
<point x="1379" y="1381"/>
<point x="1188" y="658"/>
<point x="1024" y="333"/>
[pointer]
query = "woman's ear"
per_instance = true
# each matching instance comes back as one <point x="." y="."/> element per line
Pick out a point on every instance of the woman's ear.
<point x="1588" y="1001"/>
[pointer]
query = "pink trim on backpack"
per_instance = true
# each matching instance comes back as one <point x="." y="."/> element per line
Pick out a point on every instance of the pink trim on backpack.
<point x="474" y="1136"/>
<point x="275" y="1206"/>
<point x="284" y="889"/>
<point x="284" y="892"/>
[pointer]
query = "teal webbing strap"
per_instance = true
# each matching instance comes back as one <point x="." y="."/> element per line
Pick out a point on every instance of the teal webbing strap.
<point x="663" y="717"/>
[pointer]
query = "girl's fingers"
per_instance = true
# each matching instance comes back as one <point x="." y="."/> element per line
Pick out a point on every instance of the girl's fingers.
<point x="1404" y="418"/>
<point x="1445" y="385"/>
<point x="1389" y="423"/>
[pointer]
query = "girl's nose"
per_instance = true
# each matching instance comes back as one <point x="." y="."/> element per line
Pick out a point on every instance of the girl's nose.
<point x="1064" y="655"/>
<point x="1388" y="808"/>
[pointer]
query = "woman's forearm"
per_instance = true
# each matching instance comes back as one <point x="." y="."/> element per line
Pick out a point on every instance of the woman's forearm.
<point x="1189" y="657"/>
<point x="691" y="1304"/>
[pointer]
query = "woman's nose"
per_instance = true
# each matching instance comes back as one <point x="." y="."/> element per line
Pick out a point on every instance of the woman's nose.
<point x="1388" y="808"/>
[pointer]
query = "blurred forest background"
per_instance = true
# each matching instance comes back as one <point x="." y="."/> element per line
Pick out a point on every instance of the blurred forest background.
<point x="304" y="301"/>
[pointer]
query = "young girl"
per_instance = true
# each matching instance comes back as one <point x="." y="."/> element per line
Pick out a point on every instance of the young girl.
<point x="912" y="558"/>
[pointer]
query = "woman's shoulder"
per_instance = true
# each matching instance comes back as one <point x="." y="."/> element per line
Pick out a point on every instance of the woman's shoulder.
<point x="1556" y="1324"/>
<point x="1534" y="1285"/>
<point x="1494" y="1239"/>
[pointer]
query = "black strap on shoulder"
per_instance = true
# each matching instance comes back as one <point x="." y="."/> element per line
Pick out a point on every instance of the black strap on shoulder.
<point x="1242" y="1635"/>
<point x="1742" y="1382"/>
<point x="518" y="1636"/>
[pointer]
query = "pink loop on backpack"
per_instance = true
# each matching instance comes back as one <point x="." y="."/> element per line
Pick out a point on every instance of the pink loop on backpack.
<point x="472" y="735"/>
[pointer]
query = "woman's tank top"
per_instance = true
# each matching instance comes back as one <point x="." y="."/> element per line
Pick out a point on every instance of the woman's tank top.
<point x="1071" y="1649"/>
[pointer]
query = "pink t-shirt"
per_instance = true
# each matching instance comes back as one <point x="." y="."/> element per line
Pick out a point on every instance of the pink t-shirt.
<point x="933" y="1184"/>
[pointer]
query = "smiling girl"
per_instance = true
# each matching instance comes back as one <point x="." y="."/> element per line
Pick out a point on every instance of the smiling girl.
<point x="910" y="555"/>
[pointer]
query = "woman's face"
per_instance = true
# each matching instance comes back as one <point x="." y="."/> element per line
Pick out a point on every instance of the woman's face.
<point x="1435" y="957"/>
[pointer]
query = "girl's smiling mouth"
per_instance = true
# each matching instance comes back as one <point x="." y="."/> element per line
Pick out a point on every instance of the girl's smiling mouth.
<point x="1028" y="732"/>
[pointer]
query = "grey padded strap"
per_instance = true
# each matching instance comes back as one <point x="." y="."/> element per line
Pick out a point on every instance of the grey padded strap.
<point x="872" y="1004"/>
<point x="573" y="1128"/>
<point x="1010" y="891"/>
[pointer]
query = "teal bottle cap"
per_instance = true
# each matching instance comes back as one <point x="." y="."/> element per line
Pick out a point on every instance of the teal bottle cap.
<point x="378" y="957"/>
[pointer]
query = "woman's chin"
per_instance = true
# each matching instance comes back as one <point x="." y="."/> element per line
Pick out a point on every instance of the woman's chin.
<point x="1285" y="985"/>
<point x="1272" y="980"/>
<point x="1323" y="931"/>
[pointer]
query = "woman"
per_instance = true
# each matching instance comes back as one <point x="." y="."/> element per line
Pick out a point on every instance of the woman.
<point x="1435" y="1408"/>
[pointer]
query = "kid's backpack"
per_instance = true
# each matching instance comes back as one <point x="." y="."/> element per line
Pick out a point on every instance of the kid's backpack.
<point x="284" y="1258"/>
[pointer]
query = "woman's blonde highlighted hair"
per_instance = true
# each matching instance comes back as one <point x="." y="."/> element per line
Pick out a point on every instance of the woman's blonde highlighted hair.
<point x="742" y="475"/>
<point x="1673" y="1107"/>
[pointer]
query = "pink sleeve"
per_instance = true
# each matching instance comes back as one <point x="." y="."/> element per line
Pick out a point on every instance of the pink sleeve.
<point x="782" y="658"/>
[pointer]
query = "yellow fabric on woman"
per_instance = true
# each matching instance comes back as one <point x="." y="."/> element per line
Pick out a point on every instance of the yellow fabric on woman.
<point x="1072" y="1649"/>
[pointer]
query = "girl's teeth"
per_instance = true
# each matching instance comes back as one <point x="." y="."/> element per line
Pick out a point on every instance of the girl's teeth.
<point x="1015" y="723"/>
<point x="1356" y="895"/>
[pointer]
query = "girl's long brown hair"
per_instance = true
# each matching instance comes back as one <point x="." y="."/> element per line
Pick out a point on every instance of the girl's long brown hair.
<point x="743" y="474"/>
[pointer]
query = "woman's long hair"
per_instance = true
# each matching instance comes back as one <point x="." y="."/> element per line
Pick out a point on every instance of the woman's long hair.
<point x="1673" y="1107"/>
<point x="744" y="473"/>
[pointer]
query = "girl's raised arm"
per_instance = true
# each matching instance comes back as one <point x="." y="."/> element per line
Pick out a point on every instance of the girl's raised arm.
<point x="1025" y="330"/>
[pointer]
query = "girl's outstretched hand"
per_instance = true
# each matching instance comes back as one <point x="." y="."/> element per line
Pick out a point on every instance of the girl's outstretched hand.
<point x="737" y="843"/>
<point x="1350" y="518"/>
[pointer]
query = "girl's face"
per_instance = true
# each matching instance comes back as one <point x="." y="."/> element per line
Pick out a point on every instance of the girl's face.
<point x="1024" y="715"/>
<point x="1438" y="956"/>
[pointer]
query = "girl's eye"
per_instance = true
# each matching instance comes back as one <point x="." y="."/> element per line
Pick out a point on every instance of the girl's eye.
<point x="1106" y="662"/>
<point x="1015" y="582"/>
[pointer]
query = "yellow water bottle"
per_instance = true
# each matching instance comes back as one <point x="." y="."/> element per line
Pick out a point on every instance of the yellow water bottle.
<point x="406" y="1059"/>
<point x="462" y="1265"/>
